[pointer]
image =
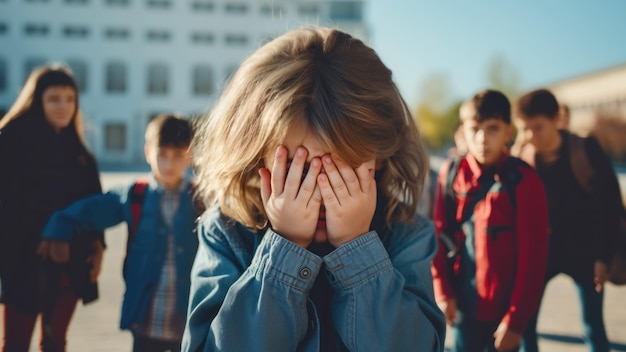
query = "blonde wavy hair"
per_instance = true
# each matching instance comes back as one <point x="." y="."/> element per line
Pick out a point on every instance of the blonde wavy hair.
<point x="337" y="86"/>
<point x="29" y="99"/>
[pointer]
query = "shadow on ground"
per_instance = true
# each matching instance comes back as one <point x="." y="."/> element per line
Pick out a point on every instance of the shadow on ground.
<point x="578" y="340"/>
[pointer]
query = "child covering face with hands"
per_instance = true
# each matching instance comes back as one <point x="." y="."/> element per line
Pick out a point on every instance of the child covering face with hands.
<point x="313" y="166"/>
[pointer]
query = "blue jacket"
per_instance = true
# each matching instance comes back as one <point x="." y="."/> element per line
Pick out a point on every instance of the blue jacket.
<point x="147" y="251"/>
<point x="250" y="293"/>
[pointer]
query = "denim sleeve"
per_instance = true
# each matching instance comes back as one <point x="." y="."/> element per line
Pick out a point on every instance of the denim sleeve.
<point x="261" y="307"/>
<point x="384" y="297"/>
<point x="94" y="213"/>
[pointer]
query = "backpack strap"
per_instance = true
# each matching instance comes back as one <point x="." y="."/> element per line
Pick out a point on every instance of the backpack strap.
<point x="510" y="177"/>
<point x="137" y="198"/>
<point x="579" y="160"/>
<point x="447" y="235"/>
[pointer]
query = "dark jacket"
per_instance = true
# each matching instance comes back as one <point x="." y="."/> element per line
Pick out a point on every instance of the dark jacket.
<point x="583" y="225"/>
<point x="42" y="171"/>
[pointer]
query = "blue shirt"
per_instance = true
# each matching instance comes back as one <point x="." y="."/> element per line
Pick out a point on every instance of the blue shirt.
<point x="251" y="292"/>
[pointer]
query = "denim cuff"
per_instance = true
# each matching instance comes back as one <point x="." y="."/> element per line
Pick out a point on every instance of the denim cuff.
<point x="356" y="261"/>
<point x="289" y="263"/>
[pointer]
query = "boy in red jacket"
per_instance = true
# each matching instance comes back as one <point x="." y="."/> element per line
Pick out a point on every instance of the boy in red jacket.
<point x="492" y="224"/>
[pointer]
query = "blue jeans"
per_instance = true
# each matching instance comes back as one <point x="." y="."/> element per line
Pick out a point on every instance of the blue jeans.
<point x="471" y="335"/>
<point x="590" y="301"/>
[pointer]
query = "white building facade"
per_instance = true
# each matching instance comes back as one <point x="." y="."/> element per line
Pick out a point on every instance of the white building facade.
<point x="134" y="59"/>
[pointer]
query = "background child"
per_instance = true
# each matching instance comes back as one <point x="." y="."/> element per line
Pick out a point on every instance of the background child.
<point x="584" y="223"/>
<point x="491" y="212"/>
<point x="45" y="167"/>
<point x="161" y="252"/>
<point x="314" y="166"/>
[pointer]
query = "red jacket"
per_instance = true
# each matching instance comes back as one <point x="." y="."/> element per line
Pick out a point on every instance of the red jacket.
<point x="510" y="269"/>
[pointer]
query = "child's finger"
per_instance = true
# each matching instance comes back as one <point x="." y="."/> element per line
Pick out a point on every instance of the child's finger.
<point x="43" y="250"/>
<point x="316" y="198"/>
<point x="294" y="174"/>
<point x="279" y="170"/>
<point x="365" y="174"/>
<point x="349" y="176"/>
<point x="310" y="180"/>
<point x="266" y="186"/>
<point x="326" y="191"/>
<point x="339" y="187"/>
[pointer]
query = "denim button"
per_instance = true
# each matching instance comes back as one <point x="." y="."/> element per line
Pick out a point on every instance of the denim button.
<point x="305" y="273"/>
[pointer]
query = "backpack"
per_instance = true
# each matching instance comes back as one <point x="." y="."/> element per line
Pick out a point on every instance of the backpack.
<point x="137" y="197"/>
<point x="583" y="172"/>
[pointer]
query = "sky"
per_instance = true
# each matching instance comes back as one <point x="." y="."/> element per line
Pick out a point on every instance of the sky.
<point x="543" y="41"/>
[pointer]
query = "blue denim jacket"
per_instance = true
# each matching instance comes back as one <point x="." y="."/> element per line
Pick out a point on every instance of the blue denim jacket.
<point x="250" y="293"/>
<point x="146" y="254"/>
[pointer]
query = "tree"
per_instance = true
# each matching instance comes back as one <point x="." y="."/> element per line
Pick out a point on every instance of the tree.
<point x="437" y="112"/>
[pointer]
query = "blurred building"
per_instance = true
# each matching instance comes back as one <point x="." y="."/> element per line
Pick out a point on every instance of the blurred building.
<point x="597" y="104"/>
<point x="592" y="95"/>
<point x="134" y="59"/>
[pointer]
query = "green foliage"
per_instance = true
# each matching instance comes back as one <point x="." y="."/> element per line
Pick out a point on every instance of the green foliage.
<point x="437" y="127"/>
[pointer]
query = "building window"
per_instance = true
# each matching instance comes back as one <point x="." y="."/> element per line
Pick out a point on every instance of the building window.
<point x="346" y="11"/>
<point x="32" y="64"/>
<point x="202" y="80"/>
<point x="115" y="77"/>
<point x="160" y="4"/>
<point x="4" y="28"/>
<point x="158" y="36"/>
<point x="36" y="30"/>
<point x="118" y="2"/>
<point x="236" y="39"/>
<point x="157" y="78"/>
<point x="203" y="5"/>
<point x="308" y="10"/>
<point x="3" y="76"/>
<point x="79" y="69"/>
<point x="115" y="137"/>
<point x="202" y="38"/>
<point x="75" y="31"/>
<point x="77" y="2"/>
<point x="235" y="8"/>
<point x="117" y="33"/>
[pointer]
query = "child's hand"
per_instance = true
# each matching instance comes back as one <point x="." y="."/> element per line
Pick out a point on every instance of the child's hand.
<point x="600" y="274"/>
<point x="292" y="204"/>
<point x="506" y="339"/>
<point x="57" y="251"/>
<point x="349" y="198"/>
<point x="96" y="260"/>
<point x="449" y="309"/>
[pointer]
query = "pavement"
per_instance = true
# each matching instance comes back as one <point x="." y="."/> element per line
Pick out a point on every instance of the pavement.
<point x="94" y="327"/>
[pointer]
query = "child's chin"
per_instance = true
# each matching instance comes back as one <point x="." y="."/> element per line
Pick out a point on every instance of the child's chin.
<point x="320" y="236"/>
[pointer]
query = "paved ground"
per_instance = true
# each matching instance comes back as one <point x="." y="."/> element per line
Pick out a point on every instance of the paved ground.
<point x="95" y="327"/>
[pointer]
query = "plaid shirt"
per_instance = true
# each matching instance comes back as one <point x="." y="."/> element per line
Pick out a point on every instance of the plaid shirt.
<point x="162" y="322"/>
